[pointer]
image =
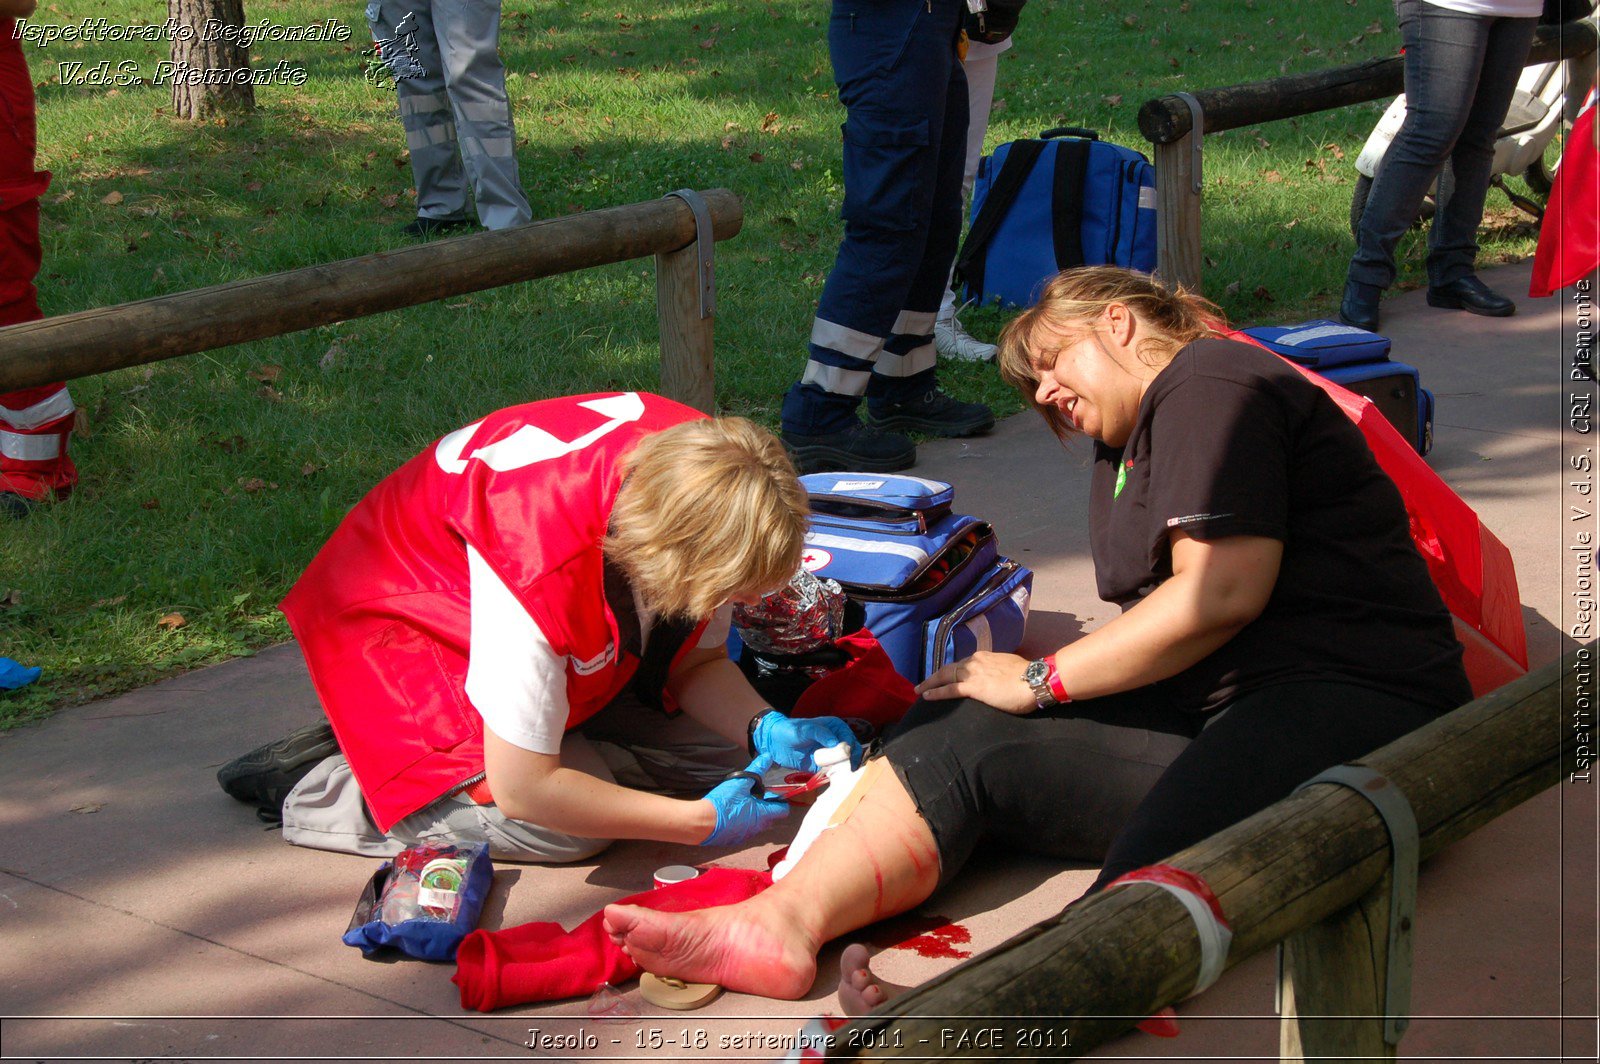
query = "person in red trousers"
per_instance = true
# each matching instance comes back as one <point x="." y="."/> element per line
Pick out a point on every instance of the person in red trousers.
<point x="34" y="422"/>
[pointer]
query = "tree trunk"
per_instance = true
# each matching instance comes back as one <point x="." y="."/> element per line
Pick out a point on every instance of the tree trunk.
<point x="211" y="72"/>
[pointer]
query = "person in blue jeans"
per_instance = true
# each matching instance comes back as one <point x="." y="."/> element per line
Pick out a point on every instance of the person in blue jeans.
<point x="905" y="96"/>
<point x="1462" y="62"/>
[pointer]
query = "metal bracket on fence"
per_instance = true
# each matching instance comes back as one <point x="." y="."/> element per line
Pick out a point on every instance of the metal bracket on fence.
<point x="1197" y="132"/>
<point x="705" y="248"/>
<point x="1406" y="850"/>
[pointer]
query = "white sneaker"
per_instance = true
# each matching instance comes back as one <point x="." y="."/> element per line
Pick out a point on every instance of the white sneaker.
<point x="952" y="341"/>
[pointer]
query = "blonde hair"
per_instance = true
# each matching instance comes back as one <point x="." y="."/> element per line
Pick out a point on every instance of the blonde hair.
<point x="1074" y="299"/>
<point x="709" y="509"/>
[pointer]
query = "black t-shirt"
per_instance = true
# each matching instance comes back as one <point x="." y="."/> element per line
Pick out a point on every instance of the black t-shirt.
<point x="1231" y="441"/>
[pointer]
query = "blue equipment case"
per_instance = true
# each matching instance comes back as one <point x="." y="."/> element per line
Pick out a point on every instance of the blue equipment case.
<point x="1359" y="360"/>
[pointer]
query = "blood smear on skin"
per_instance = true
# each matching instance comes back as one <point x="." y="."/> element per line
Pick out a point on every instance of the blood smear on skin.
<point x="926" y="936"/>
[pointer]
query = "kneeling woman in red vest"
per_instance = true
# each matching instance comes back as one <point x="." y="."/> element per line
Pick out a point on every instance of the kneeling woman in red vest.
<point x="503" y="632"/>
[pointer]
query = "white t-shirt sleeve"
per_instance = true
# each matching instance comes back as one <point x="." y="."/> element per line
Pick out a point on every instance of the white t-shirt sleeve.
<point x="717" y="628"/>
<point x="515" y="679"/>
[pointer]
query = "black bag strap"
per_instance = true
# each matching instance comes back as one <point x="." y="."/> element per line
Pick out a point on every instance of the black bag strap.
<point x="1002" y="194"/>
<point x="1066" y="214"/>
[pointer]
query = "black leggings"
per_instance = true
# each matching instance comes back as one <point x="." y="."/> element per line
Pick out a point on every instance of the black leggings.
<point x="1130" y="779"/>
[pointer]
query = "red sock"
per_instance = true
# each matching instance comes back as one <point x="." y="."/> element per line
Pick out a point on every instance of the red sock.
<point x="541" y="962"/>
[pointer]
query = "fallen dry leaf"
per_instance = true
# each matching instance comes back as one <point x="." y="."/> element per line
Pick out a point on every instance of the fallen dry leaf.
<point x="1273" y="177"/>
<point x="254" y="186"/>
<point x="309" y="469"/>
<point x="770" y="122"/>
<point x="11" y="597"/>
<point x="1113" y="100"/>
<point x="266" y="374"/>
<point x="87" y="807"/>
<point x="1262" y="294"/>
<point x="112" y="199"/>
<point x="150" y="504"/>
<point x="757" y="157"/>
<point x="390" y="201"/>
<point x="172" y="621"/>
<point x="269" y="393"/>
<point x="116" y="601"/>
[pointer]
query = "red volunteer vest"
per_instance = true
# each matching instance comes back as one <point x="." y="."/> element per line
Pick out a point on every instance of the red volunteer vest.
<point x="382" y="611"/>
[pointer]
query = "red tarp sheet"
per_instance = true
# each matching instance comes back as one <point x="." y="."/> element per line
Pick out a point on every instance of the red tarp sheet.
<point x="1470" y="566"/>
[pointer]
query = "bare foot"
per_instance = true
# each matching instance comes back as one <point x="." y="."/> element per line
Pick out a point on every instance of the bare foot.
<point x="859" y="990"/>
<point x="751" y="948"/>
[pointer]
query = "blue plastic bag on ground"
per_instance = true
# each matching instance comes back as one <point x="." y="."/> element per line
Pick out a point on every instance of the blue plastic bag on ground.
<point x="13" y="675"/>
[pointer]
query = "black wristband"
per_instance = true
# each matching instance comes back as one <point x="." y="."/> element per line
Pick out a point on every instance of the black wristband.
<point x="750" y="730"/>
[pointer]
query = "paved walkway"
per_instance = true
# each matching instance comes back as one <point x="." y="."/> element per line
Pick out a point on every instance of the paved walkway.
<point x="143" y="914"/>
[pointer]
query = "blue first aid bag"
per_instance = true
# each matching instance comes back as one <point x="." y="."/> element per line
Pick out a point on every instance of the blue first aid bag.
<point x="932" y="582"/>
<point x="1043" y="206"/>
<point x="424" y="902"/>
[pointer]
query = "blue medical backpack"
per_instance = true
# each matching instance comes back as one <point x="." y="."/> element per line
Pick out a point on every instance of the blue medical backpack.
<point x="1042" y="206"/>
<point x="1359" y="361"/>
<point x="933" y="582"/>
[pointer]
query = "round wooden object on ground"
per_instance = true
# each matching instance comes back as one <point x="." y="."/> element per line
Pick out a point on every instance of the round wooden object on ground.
<point x="675" y="994"/>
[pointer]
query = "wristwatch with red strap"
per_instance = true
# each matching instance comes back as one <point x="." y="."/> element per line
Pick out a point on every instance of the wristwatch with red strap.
<point x="1044" y="681"/>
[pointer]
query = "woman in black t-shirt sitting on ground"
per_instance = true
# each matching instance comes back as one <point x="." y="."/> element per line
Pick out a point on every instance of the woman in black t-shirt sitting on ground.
<point x="1277" y="621"/>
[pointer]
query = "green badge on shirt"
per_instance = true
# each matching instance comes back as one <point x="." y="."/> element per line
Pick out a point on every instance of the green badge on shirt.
<point x="1122" y="478"/>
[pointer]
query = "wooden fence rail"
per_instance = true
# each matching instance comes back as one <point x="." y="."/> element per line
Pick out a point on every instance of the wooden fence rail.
<point x="1168" y="123"/>
<point x="131" y="334"/>
<point x="1296" y="868"/>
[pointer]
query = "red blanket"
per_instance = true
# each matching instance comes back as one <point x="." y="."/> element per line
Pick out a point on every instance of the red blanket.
<point x="1569" y="236"/>
<point x="1470" y="566"/>
<point x="543" y="962"/>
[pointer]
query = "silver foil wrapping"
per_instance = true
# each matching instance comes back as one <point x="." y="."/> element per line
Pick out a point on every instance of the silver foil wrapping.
<point x="805" y="614"/>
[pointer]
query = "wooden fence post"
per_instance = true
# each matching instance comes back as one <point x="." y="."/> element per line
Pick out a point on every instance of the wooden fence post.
<point x="1178" y="256"/>
<point x="1334" y="982"/>
<point x="686" y="367"/>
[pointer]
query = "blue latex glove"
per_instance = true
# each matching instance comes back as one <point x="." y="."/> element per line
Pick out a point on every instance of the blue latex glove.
<point x="791" y="741"/>
<point x="742" y="810"/>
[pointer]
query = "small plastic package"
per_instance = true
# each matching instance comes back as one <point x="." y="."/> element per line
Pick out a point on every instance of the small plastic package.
<point x="424" y="902"/>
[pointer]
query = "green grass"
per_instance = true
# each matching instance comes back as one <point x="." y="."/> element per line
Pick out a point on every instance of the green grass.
<point x="209" y="481"/>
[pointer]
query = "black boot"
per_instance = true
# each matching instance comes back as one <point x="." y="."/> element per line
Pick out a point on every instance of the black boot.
<point x="1470" y="294"/>
<point x="265" y="776"/>
<point x="860" y="448"/>
<point x="1360" y="305"/>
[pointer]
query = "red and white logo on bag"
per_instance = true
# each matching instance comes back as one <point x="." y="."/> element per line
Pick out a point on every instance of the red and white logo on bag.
<point x="815" y="558"/>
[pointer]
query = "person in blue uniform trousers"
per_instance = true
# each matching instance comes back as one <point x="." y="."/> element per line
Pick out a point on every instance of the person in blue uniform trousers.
<point x="899" y="74"/>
